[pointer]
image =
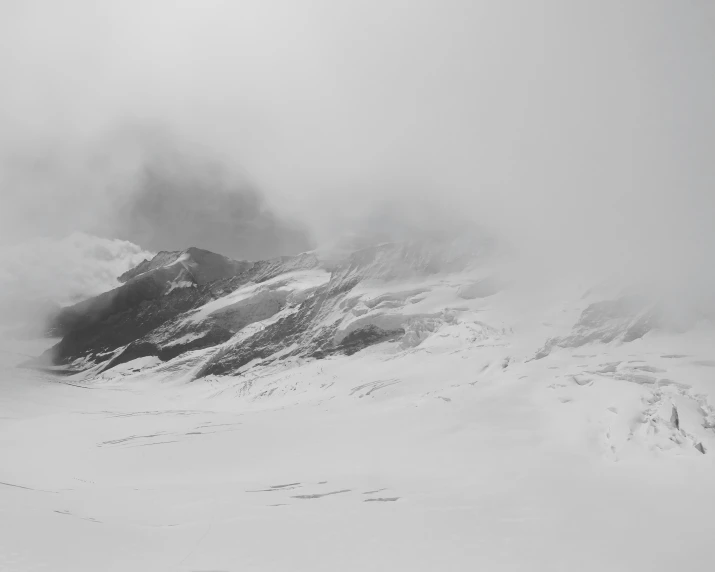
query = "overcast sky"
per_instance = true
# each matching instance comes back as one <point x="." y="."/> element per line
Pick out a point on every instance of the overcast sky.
<point x="581" y="130"/>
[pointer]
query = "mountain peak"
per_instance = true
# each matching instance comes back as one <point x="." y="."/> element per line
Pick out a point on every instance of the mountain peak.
<point x="203" y="265"/>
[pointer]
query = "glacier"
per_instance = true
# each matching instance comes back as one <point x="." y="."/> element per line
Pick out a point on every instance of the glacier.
<point x="409" y="406"/>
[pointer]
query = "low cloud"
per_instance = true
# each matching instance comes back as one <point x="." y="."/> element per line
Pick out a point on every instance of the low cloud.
<point x="41" y="274"/>
<point x="581" y="133"/>
<point x="175" y="198"/>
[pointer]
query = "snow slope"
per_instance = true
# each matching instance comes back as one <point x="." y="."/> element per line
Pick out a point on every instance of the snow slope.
<point x="457" y="443"/>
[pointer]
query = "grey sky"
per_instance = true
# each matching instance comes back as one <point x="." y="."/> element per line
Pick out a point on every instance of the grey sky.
<point x="581" y="130"/>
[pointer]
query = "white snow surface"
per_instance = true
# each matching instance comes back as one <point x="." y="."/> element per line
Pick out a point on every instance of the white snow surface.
<point x="295" y="284"/>
<point x="449" y="449"/>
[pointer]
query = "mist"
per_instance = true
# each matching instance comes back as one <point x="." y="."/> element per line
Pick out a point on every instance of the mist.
<point x="580" y="133"/>
<point x="479" y="332"/>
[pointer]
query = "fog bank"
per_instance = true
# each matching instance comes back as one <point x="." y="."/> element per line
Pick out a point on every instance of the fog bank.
<point x="579" y="132"/>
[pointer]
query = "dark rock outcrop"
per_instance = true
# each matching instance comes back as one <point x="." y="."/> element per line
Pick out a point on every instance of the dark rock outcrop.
<point x="163" y="309"/>
<point x="154" y="293"/>
<point x="624" y="319"/>
<point x="165" y="273"/>
<point x="309" y="333"/>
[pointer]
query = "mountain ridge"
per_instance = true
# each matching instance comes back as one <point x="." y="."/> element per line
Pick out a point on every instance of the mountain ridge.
<point x="242" y="314"/>
<point x="142" y="315"/>
<point x="270" y="331"/>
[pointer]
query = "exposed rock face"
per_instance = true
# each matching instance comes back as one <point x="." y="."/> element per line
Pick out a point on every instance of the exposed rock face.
<point x="480" y="289"/>
<point x="156" y="292"/>
<point x="626" y="319"/>
<point x="166" y="272"/>
<point x="366" y="336"/>
<point x="289" y="306"/>
<point x="310" y="329"/>
<point x="300" y="307"/>
<point x="675" y="418"/>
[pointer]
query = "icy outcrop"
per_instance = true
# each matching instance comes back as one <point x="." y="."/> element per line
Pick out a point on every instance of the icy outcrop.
<point x="624" y="319"/>
<point x="236" y="316"/>
<point x="190" y="300"/>
<point x="163" y="258"/>
<point x="480" y="289"/>
<point x="170" y="285"/>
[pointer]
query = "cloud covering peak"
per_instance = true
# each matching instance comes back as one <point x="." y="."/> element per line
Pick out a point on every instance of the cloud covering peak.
<point x="581" y="132"/>
<point x="66" y="270"/>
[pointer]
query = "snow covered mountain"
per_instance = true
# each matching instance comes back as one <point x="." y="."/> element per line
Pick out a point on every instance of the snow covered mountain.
<point x="182" y="301"/>
<point x="407" y="406"/>
<point x="195" y="315"/>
